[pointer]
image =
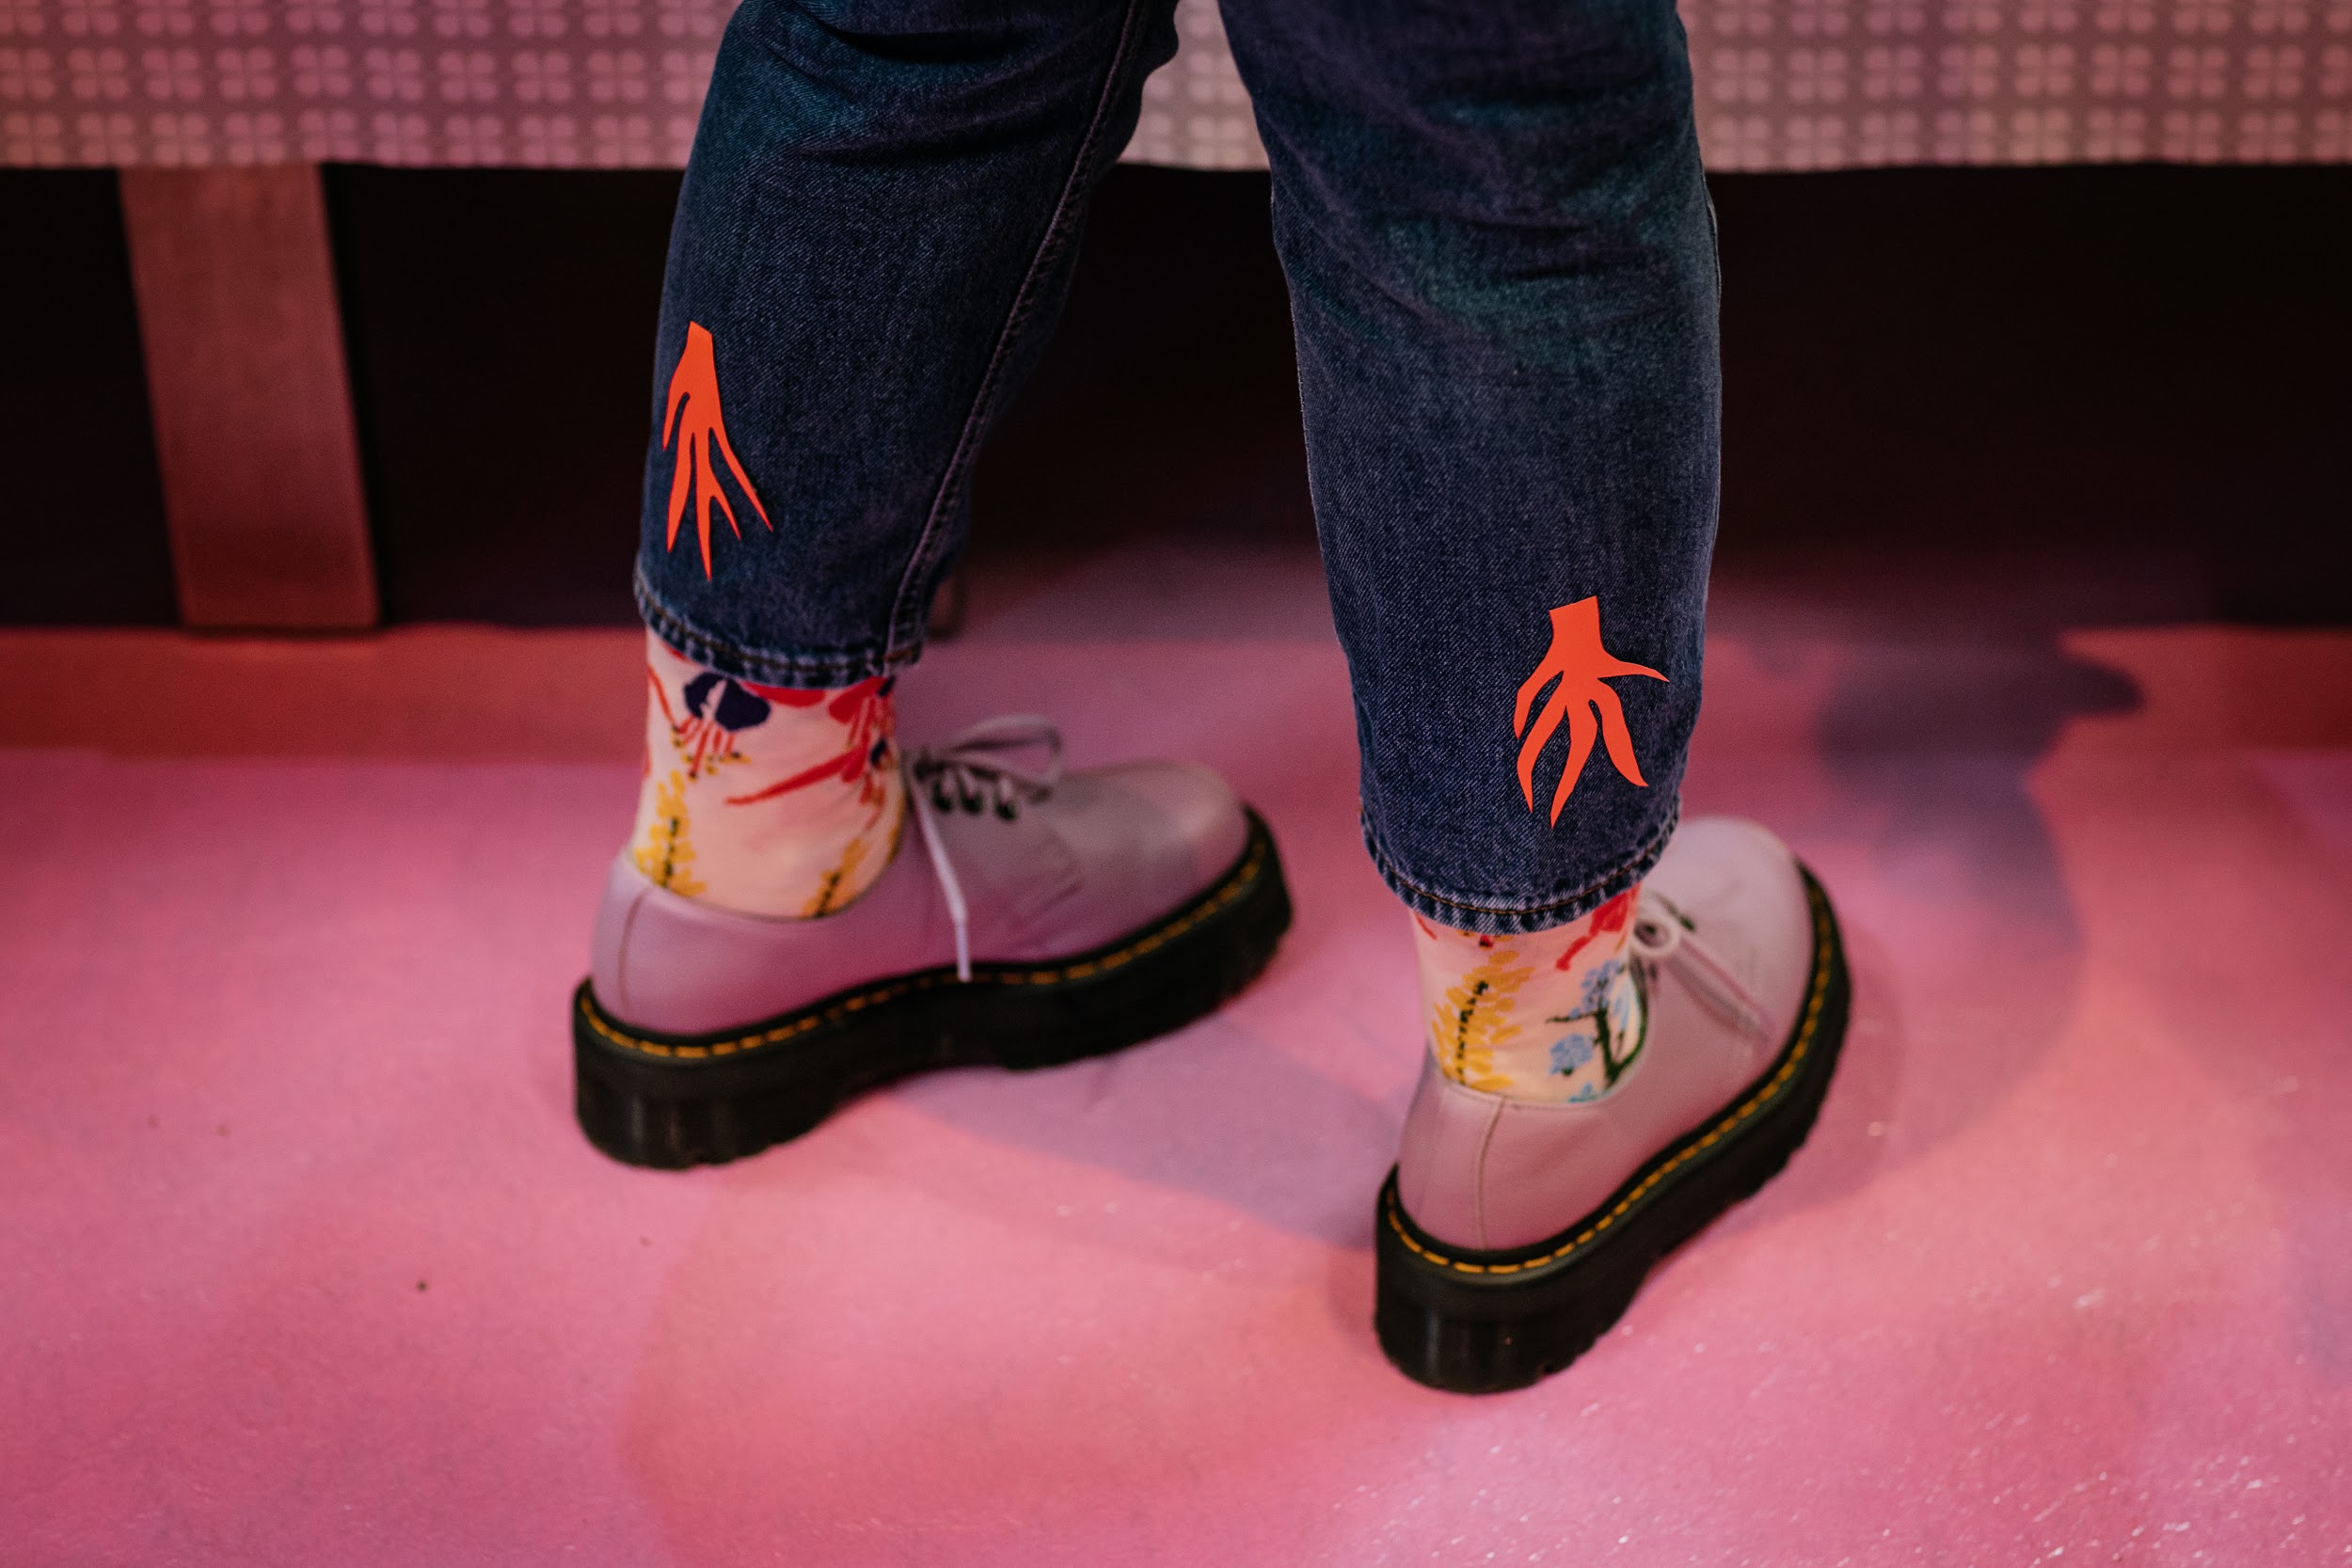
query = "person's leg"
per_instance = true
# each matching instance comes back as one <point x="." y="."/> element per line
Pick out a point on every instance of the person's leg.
<point x="1502" y="279"/>
<point x="870" y="244"/>
<point x="875" y="229"/>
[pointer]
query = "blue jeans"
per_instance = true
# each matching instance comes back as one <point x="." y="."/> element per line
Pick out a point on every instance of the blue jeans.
<point x="1502" y="270"/>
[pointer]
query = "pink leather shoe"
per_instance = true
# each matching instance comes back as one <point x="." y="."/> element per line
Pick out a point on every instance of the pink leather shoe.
<point x="1028" y="918"/>
<point x="1512" y="1235"/>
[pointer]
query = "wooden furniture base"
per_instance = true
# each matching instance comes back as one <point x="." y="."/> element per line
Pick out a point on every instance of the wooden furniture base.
<point x="246" y="377"/>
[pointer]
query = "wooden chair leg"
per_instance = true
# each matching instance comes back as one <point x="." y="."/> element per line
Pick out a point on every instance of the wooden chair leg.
<point x="251" y="396"/>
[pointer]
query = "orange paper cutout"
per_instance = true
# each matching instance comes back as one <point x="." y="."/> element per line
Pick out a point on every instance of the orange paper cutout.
<point x="693" y="419"/>
<point x="1579" y="662"/>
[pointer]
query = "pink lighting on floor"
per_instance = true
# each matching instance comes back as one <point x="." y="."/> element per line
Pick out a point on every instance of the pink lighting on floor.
<point x="306" y="1263"/>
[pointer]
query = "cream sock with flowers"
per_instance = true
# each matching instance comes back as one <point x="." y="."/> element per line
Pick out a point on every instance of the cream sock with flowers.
<point x="766" y="799"/>
<point x="1555" y="1016"/>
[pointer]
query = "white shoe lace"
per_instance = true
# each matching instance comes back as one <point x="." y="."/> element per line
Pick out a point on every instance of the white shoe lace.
<point x="972" y="771"/>
<point x="1662" y="936"/>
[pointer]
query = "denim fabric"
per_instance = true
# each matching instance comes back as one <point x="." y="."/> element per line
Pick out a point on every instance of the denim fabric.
<point x="1503" y="281"/>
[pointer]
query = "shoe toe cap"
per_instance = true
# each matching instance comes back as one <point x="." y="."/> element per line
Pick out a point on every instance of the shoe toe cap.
<point x="1198" y="825"/>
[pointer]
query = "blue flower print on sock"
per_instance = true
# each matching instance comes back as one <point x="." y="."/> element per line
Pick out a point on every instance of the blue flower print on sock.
<point x="1595" y="996"/>
<point x="1571" y="1051"/>
<point x="735" y="708"/>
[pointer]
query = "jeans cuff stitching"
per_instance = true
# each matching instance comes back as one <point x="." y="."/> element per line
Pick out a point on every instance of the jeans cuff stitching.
<point x="828" y="669"/>
<point x="1508" y="920"/>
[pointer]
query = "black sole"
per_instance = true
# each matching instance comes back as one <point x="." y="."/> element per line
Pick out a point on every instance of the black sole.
<point x="1477" y="1323"/>
<point x="673" y="1101"/>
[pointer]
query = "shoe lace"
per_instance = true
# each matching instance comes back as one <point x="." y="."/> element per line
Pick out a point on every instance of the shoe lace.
<point x="1664" y="936"/>
<point x="974" y="771"/>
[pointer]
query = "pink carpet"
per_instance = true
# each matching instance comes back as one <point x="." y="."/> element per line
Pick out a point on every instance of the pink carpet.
<point x="304" y="1262"/>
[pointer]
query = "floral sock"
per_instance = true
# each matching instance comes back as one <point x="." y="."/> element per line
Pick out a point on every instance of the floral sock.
<point x="1554" y="1016"/>
<point x="767" y="800"/>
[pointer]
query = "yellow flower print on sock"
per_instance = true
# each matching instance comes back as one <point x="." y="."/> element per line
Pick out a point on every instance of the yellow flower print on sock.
<point x="1473" y="1019"/>
<point x="1554" y="1016"/>
<point x="821" y="902"/>
<point x="667" y="853"/>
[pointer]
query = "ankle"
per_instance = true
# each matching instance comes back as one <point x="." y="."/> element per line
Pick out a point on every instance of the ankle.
<point x="765" y="799"/>
<point x="1554" y="1016"/>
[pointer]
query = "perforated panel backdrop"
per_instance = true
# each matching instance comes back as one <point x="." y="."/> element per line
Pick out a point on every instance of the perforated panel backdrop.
<point x="616" y="84"/>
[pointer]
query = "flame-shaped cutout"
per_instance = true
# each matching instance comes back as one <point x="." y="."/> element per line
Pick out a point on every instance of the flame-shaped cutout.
<point x="1579" y="662"/>
<point x="694" y="420"/>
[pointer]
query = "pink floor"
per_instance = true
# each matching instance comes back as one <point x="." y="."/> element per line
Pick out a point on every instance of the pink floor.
<point x="304" y="1262"/>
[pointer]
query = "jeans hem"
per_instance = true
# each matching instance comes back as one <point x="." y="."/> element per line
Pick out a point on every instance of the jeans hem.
<point x="805" y="668"/>
<point x="1485" y="917"/>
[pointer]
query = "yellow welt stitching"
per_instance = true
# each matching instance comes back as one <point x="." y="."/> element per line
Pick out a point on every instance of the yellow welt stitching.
<point x="1233" y="888"/>
<point x="1722" y="1128"/>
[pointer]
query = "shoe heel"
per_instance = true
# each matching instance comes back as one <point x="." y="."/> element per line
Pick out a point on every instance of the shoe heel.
<point x="666" y="1132"/>
<point x="1472" y="1346"/>
<point x="1478" y="1323"/>
<point x="671" y="1112"/>
<point x="1487" y="1333"/>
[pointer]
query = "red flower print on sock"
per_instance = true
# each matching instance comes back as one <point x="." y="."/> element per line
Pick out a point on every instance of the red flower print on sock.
<point x="694" y="420"/>
<point x="865" y="710"/>
<point x="700" y="740"/>
<point x="1610" y="917"/>
<point x="1579" y="664"/>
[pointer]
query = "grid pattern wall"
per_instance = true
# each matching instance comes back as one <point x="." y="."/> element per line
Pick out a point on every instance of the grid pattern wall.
<point x="1781" y="84"/>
